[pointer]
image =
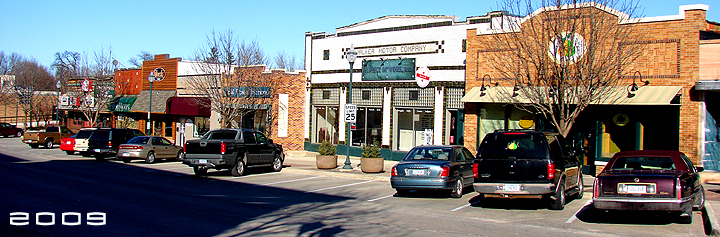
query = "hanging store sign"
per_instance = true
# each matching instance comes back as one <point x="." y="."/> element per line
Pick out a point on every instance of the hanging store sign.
<point x="253" y="92"/>
<point x="388" y="69"/>
<point x="398" y="49"/>
<point x="567" y="48"/>
<point x="422" y="77"/>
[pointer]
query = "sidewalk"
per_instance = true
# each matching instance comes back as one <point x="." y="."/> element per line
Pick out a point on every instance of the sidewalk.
<point x="304" y="162"/>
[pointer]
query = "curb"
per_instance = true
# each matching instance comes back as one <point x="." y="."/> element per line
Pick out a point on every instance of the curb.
<point x="710" y="220"/>
<point x="341" y="174"/>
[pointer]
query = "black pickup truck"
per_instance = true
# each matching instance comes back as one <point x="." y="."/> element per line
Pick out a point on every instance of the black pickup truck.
<point x="233" y="149"/>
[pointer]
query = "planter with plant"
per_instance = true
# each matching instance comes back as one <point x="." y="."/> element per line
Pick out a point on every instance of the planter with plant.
<point x="371" y="161"/>
<point x="327" y="156"/>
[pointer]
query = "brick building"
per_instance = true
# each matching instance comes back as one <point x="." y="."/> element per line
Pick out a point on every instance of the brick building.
<point x="665" y="114"/>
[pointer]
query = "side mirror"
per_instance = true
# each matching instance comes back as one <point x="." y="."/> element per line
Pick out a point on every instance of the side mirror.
<point x="270" y="141"/>
<point x="700" y="169"/>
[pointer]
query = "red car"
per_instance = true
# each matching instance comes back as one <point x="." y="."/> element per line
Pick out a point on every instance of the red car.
<point x="649" y="180"/>
<point x="7" y="130"/>
<point x="67" y="144"/>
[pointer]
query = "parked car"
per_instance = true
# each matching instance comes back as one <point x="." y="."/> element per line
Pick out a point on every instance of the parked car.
<point x="447" y="168"/>
<point x="527" y="164"/>
<point x="68" y="144"/>
<point x="81" y="141"/>
<point x="233" y="149"/>
<point x="104" y="142"/>
<point x="649" y="180"/>
<point x="148" y="148"/>
<point x="7" y="130"/>
<point x="48" y="137"/>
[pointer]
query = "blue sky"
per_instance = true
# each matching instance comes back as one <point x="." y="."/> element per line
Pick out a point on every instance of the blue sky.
<point x="39" y="29"/>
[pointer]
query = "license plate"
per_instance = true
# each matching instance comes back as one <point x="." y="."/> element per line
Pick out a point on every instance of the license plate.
<point x="202" y="161"/>
<point x="512" y="187"/>
<point x="97" y="150"/>
<point x="417" y="171"/>
<point x="636" y="189"/>
<point x="125" y="154"/>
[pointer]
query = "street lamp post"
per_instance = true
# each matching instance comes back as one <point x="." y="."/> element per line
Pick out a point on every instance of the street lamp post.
<point x="57" y="106"/>
<point x="148" y="128"/>
<point x="351" y="56"/>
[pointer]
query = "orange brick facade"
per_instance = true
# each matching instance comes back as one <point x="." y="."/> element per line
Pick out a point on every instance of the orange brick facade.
<point x="670" y="58"/>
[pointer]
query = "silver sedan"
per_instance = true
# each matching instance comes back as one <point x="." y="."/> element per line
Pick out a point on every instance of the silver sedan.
<point x="148" y="148"/>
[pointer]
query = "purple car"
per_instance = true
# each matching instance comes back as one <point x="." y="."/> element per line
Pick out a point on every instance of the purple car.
<point x="649" y="180"/>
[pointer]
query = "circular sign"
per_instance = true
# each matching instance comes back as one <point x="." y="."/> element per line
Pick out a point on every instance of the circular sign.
<point x="422" y="77"/>
<point x="526" y="122"/>
<point x="621" y="119"/>
<point x="158" y="73"/>
<point x="568" y="47"/>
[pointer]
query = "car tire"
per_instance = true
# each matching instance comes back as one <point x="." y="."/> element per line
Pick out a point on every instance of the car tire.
<point x="49" y="143"/>
<point x="581" y="188"/>
<point x="85" y="154"/>
<point x="34" y="146"/>
<point x="239" y="167"/>
<point x="178" y="157"/>
<point x="557" y="201"/>
<point x="70" y="152"/>
<point x="19" y="134"/>
<point x="150" y="157"/>
<point x="126" y="159"/>
<point x="403" y="192"/>
<point x="699" y="204"/>
<point x="277" y="164"/>
<point x="100" y="156"/>
<point x="200" y="170"/>
<point x="686" y="217"/>
<point x="457" y="192"/>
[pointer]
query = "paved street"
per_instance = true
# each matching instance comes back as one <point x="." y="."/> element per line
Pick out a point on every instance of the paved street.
<point x="166" y="199"/>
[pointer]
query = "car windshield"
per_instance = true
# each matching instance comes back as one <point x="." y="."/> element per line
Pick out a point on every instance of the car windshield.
<point x="518" y="145"/>
<point x="644" y="163"/>
<point x="84" y="133"/>
<point x="428" y="153"/>
<point x="139" y="140"/>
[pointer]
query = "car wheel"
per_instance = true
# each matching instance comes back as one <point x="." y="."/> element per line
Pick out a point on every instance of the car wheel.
<point x="557" y="201"/>
<point x="178" y="157"/>
<point x="49" y="143"/>
<point x="581" y="187"/>
<point x="34" y="145"/>
<point x="126" y="159"/>
<point x="100" y="156"/>
<point x="85" y="154"/>
<point x="699" y="201"/>
<point x="403" y="192"/>
<point x="239" y="168"/>
<point x="150" y="157"/>
<point x="18" y="134"/>
<point x="457" y="192"/>
<point x="686" y="217"/>
<point x="200" y="170"/>
<point x="277" y="163"/>
<point x="70" y="152"/>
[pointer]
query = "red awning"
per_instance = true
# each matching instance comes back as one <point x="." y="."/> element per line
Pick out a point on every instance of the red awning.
<point x="188" y="106"/>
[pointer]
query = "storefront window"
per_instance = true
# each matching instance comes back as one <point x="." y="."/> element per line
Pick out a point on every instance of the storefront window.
<point x="202" y="125"/>
<point x="414" y="127"/>
<point x="368" y="126"/>
<point x="326" y="124"/>
<point x="168" y="129"/>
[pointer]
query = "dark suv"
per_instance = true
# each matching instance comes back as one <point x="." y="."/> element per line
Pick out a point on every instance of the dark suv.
<point x="527" y="164"/>
<point x="105" y="141"/>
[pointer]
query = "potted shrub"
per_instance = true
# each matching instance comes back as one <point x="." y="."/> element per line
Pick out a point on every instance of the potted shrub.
<point x="327" y="156"/>
<point x="371" y="161"/>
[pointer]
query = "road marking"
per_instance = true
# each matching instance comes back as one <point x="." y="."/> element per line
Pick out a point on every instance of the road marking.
<point x="574" y="216"/>
<point x="372" y="200"/>
<point x="294" y="180"/>
<point x="346" y="185"/>
<point x="466" y="205"/>
<point x="253" y="175"/>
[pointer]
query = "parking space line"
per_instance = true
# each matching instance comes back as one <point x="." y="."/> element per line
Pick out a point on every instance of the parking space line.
<point x="253" y="175"/>
<point x="341" y="186"/>
<point x="574" y="216"/>
<point x="466" y="205"/>
<point x="375" y="199"/>
<point x="294" y="180"/>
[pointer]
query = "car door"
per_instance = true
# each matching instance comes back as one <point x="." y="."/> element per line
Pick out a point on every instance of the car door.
<point x="266" y="148"/>
<point x="253" y="149"/>
<point x="467" y="168"/>
<point x="159" y="148"/>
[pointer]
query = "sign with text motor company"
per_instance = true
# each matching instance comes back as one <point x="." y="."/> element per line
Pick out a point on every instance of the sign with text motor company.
<point x="398" y="49"/>
<point x="388" y="69"/>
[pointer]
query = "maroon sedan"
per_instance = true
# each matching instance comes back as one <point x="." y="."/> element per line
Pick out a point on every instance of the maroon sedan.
<point x="650" y="181"/>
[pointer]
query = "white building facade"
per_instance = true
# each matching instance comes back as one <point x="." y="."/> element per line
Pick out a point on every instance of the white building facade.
<point x="394" y="107"/>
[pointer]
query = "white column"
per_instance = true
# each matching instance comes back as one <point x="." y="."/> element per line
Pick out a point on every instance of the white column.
<point x="387" y="111"/>
<point x="439" y="113"/>
<point x="308" y="111"/>
<point x="341" y="115"/>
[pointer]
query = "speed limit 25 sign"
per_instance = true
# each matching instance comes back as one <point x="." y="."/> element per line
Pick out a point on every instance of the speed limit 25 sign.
<point x="350" y="113"/>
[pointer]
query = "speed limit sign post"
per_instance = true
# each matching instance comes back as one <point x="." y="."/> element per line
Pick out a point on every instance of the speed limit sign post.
<point x="350" y="113"/>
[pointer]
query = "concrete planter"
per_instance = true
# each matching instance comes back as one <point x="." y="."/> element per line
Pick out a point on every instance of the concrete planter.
<point x="372" y="165"/>
<point x="326" y="162"/>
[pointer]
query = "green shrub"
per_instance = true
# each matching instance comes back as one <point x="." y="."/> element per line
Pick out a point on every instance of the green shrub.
<point x="327" y="149"/>
<point x="371" y="151"/>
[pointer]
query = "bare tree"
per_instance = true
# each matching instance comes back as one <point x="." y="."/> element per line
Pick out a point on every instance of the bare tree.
<point x="73" y="69"/>
<point x="31" y="79"/>
<point x="229" y="73"/>
<point x="285" y="61"/>
<point x="141" y="57"/>
<point x="563" y="58"/>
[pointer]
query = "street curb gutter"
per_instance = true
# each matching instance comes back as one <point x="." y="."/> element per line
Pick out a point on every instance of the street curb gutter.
<point x="709" y="216"/>
<point x="338" y="174"/>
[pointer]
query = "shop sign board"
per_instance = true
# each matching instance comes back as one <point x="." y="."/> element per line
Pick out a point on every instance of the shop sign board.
<point x="422" y="77"/>
<point x="398" y="49"/>
<point x="252" y="92"/>
<point x="388" y="69"/>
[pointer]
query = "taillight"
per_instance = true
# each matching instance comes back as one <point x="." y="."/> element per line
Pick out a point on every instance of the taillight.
<point x="596" y="190"/>
<point x="394" y="172"/>
<point x="445" y="171"/>
<point x="551" y="170"/>
<point x="184" y="147"/>
<point x="678" y="189"/>
<point x="109" y="143"/>
<point x="476" y="168"/>
<point x="223" y="148"/>
<point x="130" y="147"/>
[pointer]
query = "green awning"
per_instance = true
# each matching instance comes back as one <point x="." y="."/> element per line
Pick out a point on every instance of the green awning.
<point x="124" y="104"/>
